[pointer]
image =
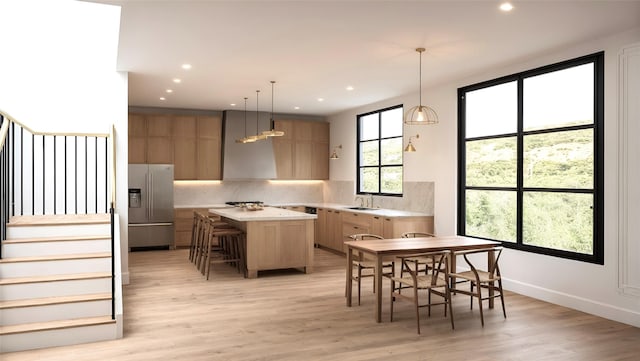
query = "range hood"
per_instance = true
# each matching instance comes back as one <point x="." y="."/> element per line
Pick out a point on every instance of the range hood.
<point x="249" y="160"/>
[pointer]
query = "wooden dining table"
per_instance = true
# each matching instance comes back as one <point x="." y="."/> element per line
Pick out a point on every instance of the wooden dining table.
<point x="385" y="249"/>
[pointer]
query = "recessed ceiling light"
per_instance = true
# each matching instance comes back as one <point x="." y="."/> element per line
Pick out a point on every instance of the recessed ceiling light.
<point x="186" y="66"/>
<point x="349" y="88"/>
<point x="506" y="6"/>
<point x="296" y="108"/>
<point x="233" y="104"/>
<point x="320" y="99"/>
<point x="163" y="98"/>
<point x="177" y="80"/>
<point x="169" y="90"/>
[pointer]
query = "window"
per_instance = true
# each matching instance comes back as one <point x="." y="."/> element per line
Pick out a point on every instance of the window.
<point x="380" y="152"/>
<point x="531" y="160"/>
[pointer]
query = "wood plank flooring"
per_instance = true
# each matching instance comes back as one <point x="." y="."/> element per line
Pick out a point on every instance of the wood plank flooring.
<point x="173" y="313"/>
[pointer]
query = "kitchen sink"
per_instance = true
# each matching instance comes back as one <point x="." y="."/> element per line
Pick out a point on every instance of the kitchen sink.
<point x="360" y="208"/>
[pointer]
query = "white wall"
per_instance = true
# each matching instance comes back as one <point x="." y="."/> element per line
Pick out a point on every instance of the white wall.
<point x="58" y="71"/>
<point x="584" y="286"/>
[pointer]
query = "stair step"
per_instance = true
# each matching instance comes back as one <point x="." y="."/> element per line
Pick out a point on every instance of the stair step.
<point x="54" y="278"/>
<point x="59" y="219"/>
<point x="55" y="239"/>
<point x="53" y="300"/>
<point x="56" y="257"/>
<point x="55" y="325"/>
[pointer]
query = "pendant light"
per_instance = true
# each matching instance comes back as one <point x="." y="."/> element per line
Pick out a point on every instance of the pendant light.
<point x="421" y="114"/>
<point x="410" y="148"/>
<point x="245" y="139"/>
<point x="258" y="136"/>
<point x="272" y="132"/>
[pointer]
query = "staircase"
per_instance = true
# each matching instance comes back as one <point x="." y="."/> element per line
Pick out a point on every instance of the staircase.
<point x="56" y="282"/>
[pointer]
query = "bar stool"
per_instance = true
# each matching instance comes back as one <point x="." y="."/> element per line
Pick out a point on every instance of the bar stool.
<point x="223" y="245"/>
<point x="197" y="233"/>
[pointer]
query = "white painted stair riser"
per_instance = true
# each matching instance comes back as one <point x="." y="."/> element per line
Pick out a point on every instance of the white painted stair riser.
<point x="57" y="312"/>
<point x="36" y="249"/>
<point x="55" y="289"/>
<point x="58" y="267"/>
<point x="61" y="230"/>
<point x="60" y="337"/>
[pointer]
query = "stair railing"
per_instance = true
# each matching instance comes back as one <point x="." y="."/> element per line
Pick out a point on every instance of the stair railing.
<point x="44" y="173"/>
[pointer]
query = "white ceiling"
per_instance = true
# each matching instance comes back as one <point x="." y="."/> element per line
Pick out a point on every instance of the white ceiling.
<point x="316" y="49"/>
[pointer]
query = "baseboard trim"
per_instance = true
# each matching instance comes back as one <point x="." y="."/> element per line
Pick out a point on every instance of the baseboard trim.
<point x="599" y="309"/>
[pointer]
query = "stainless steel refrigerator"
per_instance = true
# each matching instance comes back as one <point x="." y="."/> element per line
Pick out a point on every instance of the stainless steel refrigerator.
<point x="150" y="205"/>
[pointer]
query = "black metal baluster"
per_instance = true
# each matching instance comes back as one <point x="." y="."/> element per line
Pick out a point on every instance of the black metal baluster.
<point x="33" y="175"/>
<point x="76" y="174"/>
<point x="21" y="171"/>
<point x="44" y="181"/>
<point x="65" y="174"/>
<point x="106" y="173"/>
<point x="55" y="172"/>
<point x="86" y="181"/>
<point x="96" y="178"/>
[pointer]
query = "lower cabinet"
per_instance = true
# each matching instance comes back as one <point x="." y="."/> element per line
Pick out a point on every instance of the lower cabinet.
<point x="183" y="225"/>
<point x="333" y="227"/>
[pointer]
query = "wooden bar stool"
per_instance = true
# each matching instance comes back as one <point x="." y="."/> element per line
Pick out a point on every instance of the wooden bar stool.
<point x="223" y="245"/>
<point x="197" y="233"/>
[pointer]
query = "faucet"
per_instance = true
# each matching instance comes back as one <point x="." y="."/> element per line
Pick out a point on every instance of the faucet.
<point x="361" y="200"/>
<point x="370" y="203"/>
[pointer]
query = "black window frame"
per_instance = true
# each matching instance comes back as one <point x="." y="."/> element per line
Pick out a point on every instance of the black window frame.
<point x="598" y="177"/>
<point x="379" y="166"/>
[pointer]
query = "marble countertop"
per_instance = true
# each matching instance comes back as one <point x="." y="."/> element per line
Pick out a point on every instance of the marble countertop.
<point x="384" y="212"/>
<point x="266" y="214"/>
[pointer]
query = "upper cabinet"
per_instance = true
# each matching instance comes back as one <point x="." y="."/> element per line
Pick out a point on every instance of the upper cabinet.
<point x="192" y="143"/>
<point x="303" y="152"/>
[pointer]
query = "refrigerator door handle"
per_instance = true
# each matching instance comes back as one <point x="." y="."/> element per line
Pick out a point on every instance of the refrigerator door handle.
<point x="151" y="195"/>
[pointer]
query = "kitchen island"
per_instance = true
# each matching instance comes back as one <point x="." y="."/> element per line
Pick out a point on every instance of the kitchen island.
<point x="276" y="238"/>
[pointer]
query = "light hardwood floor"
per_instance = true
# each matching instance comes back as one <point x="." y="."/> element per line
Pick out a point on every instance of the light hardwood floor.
<point x="173" y="313"/>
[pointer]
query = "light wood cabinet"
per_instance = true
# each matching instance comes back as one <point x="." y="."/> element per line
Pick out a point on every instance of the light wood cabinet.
<point x="184" y="147"/>
<point x="192" y="143"/>
<point x="333" y="230"/>
<point x="159" y="140"/>
<point x="137" y="139"/>
<point x="209" y="148"/>
<point x="321" y="227"/>
<point x="150" y="139"/>
<point x="183" y="224"/>
<point x="303" y="152"/>
<point x="395" y="227"/>
<point x="337" y="226"/>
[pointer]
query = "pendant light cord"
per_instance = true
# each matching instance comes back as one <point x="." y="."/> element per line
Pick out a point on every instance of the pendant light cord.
<point x="257" y="114"/>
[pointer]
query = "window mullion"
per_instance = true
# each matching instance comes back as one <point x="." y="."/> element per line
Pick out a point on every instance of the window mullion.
<point x="520" y="162"/>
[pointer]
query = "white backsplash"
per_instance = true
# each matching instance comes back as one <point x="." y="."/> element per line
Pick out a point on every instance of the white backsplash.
<point x="196" y="194"/>
<point x="417" y="197"/>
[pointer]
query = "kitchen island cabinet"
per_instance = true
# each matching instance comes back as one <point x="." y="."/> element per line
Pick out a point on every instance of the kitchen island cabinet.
<point x="275" y="238"/>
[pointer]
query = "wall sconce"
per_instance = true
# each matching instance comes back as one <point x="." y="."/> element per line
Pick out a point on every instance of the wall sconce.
<point x="410" y="147"/>
<point x="334" y="154"/>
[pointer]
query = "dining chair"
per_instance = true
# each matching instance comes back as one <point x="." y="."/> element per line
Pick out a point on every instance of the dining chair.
<point x="481" y="279"/>
<point x="435" y="283"/>
<point x="423" y="263"/>
<point x="366" y="267"/>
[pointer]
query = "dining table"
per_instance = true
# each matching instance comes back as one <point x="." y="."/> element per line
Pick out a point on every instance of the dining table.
<point x="386" y="249"/>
